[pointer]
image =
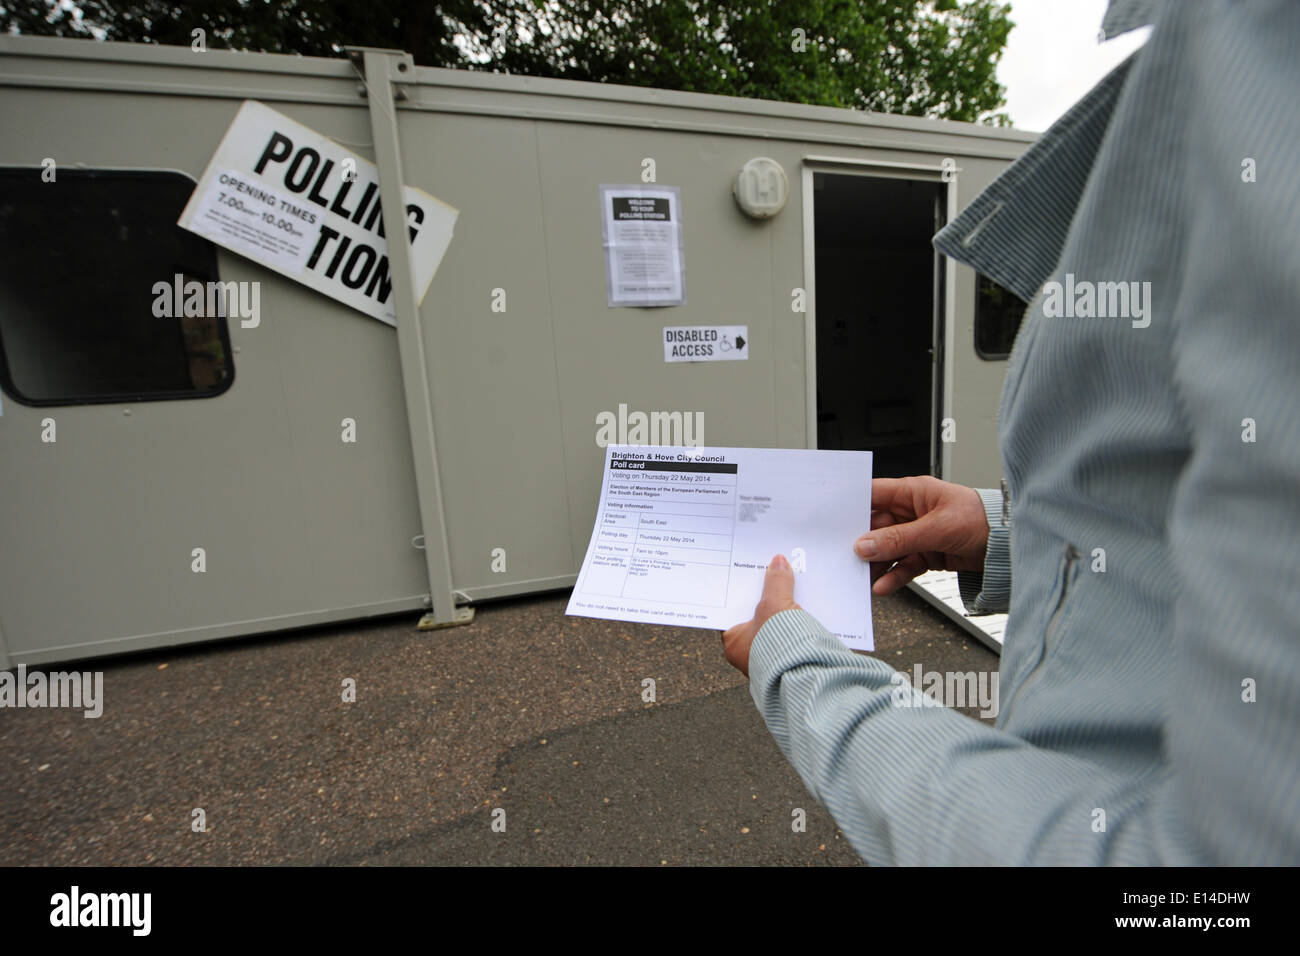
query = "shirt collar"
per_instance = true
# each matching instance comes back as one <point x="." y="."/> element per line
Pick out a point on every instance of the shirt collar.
<point x="1015" y="230"/>
<point x="1125" y="15"/>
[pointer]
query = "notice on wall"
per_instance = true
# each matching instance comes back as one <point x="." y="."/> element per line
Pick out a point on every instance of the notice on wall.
<point x="683" y="536"/>
<point x="641" y="227"/>
<point x="706" y="343"/>
<point x="307" y="208"/>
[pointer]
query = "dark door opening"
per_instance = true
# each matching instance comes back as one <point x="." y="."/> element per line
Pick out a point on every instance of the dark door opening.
<point x="875" y="296"/>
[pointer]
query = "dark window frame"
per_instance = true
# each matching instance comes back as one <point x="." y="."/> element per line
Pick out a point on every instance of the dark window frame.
<point x="211" y="273"/>
<point x="1022" y="307"/>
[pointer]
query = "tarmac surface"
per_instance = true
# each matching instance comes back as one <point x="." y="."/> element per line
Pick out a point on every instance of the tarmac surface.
<point x="524" y="717"/>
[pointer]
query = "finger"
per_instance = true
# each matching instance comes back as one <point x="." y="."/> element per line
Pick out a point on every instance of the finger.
<point x="879" y="519"/>
<point x="892" y="494"/>
<point x="882" y="519"/>
<point x="778" y="583"/>
<point x="900" y="574"/>
<point x="897" y="541"/>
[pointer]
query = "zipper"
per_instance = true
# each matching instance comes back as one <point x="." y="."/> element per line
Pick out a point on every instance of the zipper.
<point x="1053" y="623"/>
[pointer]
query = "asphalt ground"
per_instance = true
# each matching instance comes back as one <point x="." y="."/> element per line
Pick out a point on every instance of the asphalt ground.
<point x="524" y="717"/>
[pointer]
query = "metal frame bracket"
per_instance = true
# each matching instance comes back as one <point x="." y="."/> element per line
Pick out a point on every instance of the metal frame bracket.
<point x="380" y="70"/>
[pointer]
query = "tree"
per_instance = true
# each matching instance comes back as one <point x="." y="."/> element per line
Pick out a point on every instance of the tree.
<point x="917" y="57"/>
<point x="307" y="27"/>
<point x="895" y="56"/>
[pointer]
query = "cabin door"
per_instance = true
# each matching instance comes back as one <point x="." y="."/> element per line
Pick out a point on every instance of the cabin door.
<point x="878" y="311"/>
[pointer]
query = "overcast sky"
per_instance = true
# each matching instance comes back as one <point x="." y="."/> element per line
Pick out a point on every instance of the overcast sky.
<point x="1052" y="57"/>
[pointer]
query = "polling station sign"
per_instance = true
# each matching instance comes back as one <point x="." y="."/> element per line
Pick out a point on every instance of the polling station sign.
<point x="641" y="229"/>
<point x="302" y="205"/>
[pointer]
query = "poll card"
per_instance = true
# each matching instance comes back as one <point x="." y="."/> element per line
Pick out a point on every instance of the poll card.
<point x="683" y="536"/>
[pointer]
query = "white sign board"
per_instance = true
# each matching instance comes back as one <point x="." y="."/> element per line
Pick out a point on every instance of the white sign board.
<point x="305" y="207"/>
<point x="706" y="343"/>
<point x="683" y="536"/>
<point x="641" y="227"/>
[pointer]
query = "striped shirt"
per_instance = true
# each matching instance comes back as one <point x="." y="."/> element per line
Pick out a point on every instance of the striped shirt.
<point x="1150" y="439"/>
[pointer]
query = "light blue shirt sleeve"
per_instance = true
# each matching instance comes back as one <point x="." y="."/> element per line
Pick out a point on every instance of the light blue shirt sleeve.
<point x="915" y="785"/>
<point x="989" y="592"/>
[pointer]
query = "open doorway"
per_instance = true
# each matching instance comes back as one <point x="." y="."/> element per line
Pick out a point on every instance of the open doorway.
<point x="876" y="289"/>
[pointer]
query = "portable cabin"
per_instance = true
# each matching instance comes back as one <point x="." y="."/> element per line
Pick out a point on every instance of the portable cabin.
<point x="166" y="480"/>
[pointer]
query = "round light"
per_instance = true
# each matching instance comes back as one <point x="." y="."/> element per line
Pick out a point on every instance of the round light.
<point x="761" y="188"/>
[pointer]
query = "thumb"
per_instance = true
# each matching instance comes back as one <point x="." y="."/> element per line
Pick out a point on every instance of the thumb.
<point x="893" y="542"/>
<point x="778" y="584"/>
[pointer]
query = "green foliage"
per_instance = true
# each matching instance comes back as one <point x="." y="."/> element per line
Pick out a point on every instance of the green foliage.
<point x="894" y="56"/>
<point x="307" y="27"/>
<point x="917" y="57"/>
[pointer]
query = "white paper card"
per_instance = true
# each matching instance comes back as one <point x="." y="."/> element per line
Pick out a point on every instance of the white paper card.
<point x="683" y="536"/>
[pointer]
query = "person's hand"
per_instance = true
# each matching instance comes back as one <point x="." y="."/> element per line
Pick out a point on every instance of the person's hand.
<point x="923" y="524"/>
<point x="778" y="595"/>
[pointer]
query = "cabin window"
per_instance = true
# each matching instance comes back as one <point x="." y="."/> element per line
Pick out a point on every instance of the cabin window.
<point x="998" y="313"/>
<point x="82" y="260"/>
